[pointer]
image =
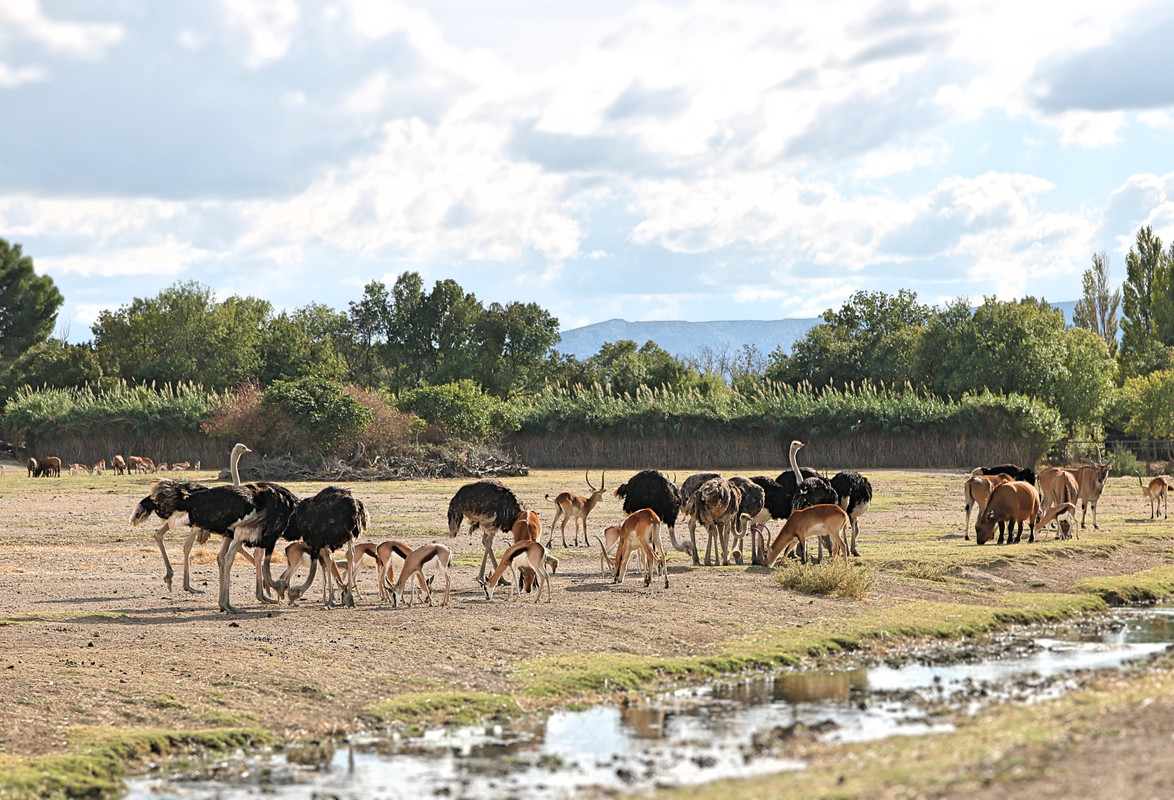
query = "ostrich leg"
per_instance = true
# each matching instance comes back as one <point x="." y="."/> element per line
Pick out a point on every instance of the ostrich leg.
<point x="224" y="560"/>
<point x="187" y="561"/>
<point x="167" y="562"/>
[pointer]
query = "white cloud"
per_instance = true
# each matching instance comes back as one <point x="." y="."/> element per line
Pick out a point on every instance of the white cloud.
<point x="167" y="257"/>
<point x="25" y="20"/>
<point x="269" y="26"/>
<point x="11" y="77"/>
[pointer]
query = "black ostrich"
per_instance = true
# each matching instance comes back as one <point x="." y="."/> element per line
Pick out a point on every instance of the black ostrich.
<point x="688" y="489"/>
<point x="488" y="505"/>
<point x="329" y="520"/>
<point x="652" y="489"/>
<point x="172" y="513"/>
<point x="254" y="514"/>
<point x="854" y="495"/>
<point x="752" y="505"/>
<point x="811" y="488"/>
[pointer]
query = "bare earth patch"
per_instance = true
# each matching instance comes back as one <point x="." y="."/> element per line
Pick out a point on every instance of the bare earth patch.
<point x="89" y="635"/>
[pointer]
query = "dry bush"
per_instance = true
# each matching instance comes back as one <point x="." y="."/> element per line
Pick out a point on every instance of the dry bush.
<point x="831" y="578"/>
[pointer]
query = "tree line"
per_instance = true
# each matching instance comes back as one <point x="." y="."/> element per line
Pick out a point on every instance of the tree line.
<point x="438" y="351"/>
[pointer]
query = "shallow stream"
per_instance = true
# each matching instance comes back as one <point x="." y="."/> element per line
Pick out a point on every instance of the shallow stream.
<point x="725" y="729"/>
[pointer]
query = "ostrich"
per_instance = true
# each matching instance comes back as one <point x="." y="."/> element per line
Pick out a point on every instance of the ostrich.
<point x="254" y="514"/>
<point x="331" y="519"/>
<point x="854" y="495"/>
<point x="715" y="505"/>
<point x="171" y="507"/>
<point x="651" y="489"/>
<point x="688" y="488"/>
<point x="752" y="505"/>
<point x="488" y="505"/>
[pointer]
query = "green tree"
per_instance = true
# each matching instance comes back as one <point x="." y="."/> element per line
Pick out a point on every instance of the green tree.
<point x="515" y="344"/>
<point x="364" y="346"/>
<point x="872" y="336"/>
<point x="461" y="409"/>
<point x="322" y="412"/>
<point x="56" y="364"/>
<point x="1146" y="270"/>
<point x="1084" y="390"/>
<point x="183" y="335"/>
<point x="1149" y="405"/>
<point x="28" y="304"/>
<point x="1097" y="307"/>
<point x="304" y="342"/>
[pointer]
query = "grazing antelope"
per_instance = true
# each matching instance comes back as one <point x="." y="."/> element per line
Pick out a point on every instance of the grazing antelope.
<point x="609" y="542"/>
<point x="640" y="529"/>
<point x="575" y="507"/>
<point x="180" y="465"/>
<point x="1064" y="515"/>
<point x="119" y="465"/>
<point x="977" y="492"/>
<point x="1156" y="494"/>
<point x="528" y="527"/>
<point x="430" y="555"/>
<point x="99" y="467"/>
<point x="526" y="554"/>
<point x="1010" y="503"/>
<point x="33" y="466"/>
<point x="297" y="554"/>
<point x="825" y="519"/>
<point x="393" y="554"/>
<point x="77" y="468"/>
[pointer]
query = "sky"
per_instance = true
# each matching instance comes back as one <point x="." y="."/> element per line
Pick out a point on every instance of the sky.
<point x="707" y="160"/>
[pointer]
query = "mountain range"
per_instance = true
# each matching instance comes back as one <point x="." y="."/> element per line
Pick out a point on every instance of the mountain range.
<point x="688" y="338"/>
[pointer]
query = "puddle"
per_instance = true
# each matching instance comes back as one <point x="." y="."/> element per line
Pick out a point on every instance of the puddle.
<point x="723" y="730"/>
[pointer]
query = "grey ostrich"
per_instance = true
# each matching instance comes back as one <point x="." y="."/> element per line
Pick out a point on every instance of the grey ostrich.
<point x="688" y="488"/>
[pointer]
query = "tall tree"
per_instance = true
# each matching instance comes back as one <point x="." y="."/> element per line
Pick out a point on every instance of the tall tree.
<point x="182" y="334"/>
<point x="28" y="304"/>
<point x="515" y="342"/>
<point x="1141" y="350"/>
<point x="1097" y="307"/>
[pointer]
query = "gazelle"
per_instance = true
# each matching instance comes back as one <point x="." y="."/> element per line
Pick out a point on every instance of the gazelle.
<point x="609" y="542"/>
<point x="429" y="555"/>
<point x="1156" y="494"/>
<point x="1064" y="515"/>
<point x="526" y="554"/>
<point x="297" y="554"/>
<point x="392" y="555"/>
<point x="528" y="527"/>
<point x="825" y="519"/>
<point x="575" y="507"/>
<point x="640" y="529"/>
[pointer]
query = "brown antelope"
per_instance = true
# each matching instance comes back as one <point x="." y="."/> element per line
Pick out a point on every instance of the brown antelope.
<point x="575" y="507"/>
<point x="526" y="554"/>
<point x="180" y="465"/>
<point x="1010" y="503"/>
<point x="33" y="466"/>
<point x="118" y="463"/>
<point x="528" y="527"/>
<point x="1156" y="494"/>
<point x="1091" y="482"/>
<point x="640" y="529"/>
<point x="297" y="554"/>
<point x="430" y="555"/>
<point x="609" y="542"/>
<point x="99" y="467"/>
<point x="825" y="519"/>
<point x="392" y="555"/>
<point x="977" y="492"/>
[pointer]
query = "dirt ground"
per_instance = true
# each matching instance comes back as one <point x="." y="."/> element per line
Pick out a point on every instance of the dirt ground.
<point x="89" y="634"/>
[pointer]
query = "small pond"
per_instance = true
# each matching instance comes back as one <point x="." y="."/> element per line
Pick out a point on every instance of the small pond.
<point x="725" y="729"/>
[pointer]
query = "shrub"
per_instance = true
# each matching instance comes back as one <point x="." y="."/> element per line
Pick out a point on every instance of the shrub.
<point x="831" y="578"/>
<point x="461" y="409"/>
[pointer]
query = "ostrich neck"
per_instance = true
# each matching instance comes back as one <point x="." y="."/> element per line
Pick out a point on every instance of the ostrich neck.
<point x="795" y="467"/>
<point x="236" y="476"/>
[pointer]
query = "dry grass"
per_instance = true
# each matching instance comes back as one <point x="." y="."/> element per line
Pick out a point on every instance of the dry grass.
<point x="834" y="578"/>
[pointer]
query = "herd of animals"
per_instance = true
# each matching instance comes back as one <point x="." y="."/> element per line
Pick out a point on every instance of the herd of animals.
<point x="260" y="515"/>
<point x="50" y="466"/>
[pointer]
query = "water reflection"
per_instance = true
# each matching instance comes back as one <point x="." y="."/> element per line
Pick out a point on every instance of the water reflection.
<point x="728" y="729"/>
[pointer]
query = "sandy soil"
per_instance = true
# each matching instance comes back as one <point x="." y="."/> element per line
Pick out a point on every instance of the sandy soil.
<point x="94" y="638"/>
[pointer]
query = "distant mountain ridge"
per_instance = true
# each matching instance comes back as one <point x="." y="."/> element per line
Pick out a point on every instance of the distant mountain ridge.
<point x="682" y="338"/>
